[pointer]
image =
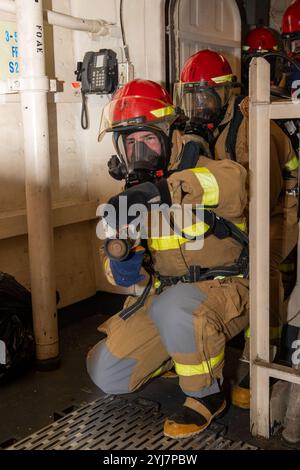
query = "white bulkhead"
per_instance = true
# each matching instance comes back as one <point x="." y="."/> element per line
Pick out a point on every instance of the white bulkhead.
<point x="79" y="177"/>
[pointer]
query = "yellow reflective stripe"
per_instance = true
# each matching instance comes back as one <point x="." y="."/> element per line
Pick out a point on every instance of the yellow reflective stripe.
<point x="209" y="185"/>
<point x="275" y="332"/>
<point x="247" y="332"/>
<point x="161" y="112"/>
<point x="286" y="267"/>
<point x="242" y="226"/>
<point x="292" y="164"/>
<point x="223" y="78"/>
<point x="196" y="230"/>
<point x="156" y="373"/>
<point x="198" y="369"/>
<point x="172" y="242"/>
<point x="166" y="243"/>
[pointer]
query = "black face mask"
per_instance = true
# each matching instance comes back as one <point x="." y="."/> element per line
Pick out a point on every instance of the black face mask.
<point x="118" y="171"/>
<point x="144" y="158"/>
<point x="215" y="119"/>
<point x="209" y="106"/>
<point x="144" y="164"/>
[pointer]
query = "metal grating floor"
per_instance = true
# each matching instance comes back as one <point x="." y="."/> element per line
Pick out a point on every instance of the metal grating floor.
<point x="113" y="423"/>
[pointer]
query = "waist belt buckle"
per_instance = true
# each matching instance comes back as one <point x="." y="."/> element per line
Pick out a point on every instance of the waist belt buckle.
<point x="293" y="192"/>
<point x="185" y="278"/>
<point x="166" y="281"/>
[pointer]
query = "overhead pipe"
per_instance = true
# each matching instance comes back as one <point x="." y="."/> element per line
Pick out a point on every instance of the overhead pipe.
<point x="100" y="27"/>
<point x="35" y="86"/>
<point x="8" y="6"/>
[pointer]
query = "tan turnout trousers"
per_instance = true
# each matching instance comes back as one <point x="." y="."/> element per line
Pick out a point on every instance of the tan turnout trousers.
<point x="186" y="326"/>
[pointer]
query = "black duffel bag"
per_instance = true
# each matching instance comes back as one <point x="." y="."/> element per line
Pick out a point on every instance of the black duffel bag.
<point x="17" y="347"/>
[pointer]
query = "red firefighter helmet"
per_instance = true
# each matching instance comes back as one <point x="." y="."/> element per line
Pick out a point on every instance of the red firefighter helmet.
<point x="291" y="21"/>
<point x="261" y="39"/>
<point x="138" y="103"/>
<point x="205" y="86"/>
<point x="140" y="115"/>
<point x="206" y="66"/>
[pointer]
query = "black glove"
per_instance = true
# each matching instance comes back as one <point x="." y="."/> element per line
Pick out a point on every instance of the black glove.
<point x="145" y="194"/>
<point x="116" y="168"/>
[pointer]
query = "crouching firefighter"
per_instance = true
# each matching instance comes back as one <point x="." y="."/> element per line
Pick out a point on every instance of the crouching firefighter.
<point x="197" y="295"/>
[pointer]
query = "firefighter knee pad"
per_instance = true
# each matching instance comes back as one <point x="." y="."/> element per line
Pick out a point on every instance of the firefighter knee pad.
<point x="111" y="374"/>
<point x="172" y="314"/>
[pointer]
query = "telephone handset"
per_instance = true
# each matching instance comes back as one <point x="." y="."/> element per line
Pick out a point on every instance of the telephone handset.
<point x="99" y="72"/>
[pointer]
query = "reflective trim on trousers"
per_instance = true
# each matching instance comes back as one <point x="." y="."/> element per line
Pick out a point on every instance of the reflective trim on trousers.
<point x="188" y="370"/>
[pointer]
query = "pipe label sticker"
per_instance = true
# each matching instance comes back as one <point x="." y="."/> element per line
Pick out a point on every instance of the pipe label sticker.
<point x="9" y="63"/>
<point x="39" y="38"/>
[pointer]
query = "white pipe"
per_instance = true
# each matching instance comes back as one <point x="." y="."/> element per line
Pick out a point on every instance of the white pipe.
<point x="101" y="27"/>
<point x="38" y="182"/>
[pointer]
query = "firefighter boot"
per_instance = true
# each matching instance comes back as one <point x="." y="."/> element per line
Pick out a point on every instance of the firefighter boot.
<point x="194" y="416"/>
<point x="240" y="395"/>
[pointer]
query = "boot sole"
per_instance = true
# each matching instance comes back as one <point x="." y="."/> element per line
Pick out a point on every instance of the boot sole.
<point x="240" y="398"/>
<point x="243" y="405"/>
<point x="205" y="426"/>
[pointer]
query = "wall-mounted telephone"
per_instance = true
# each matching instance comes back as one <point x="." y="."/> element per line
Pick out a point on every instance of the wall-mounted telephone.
<point x="98" y="72"/>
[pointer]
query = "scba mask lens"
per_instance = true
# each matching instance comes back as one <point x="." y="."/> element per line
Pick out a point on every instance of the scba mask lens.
<point x="143" y="150"/>
<point x="204" y="104"/>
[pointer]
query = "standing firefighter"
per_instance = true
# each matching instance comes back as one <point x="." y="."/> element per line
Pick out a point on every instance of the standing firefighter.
<point x="290" y="33"/>
<point x="197" y="295"/>
<point x="291" y="37"/>
<point x="260" y="41"/>
<point x="205" y="94"/>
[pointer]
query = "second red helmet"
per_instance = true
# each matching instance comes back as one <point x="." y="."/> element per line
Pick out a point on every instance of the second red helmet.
<point x="206" y="66"/>
<point x="291" y="21"/>
<point x="261" y="39"/>
<point x="204" y="87"/>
